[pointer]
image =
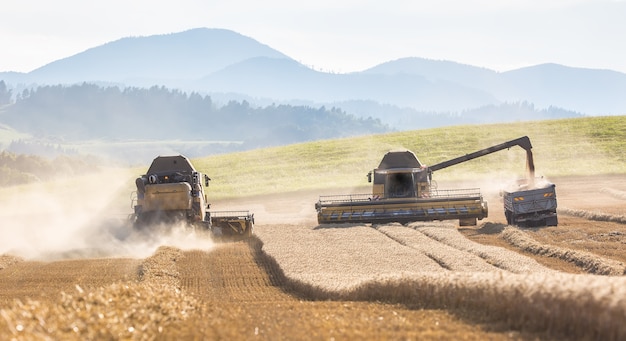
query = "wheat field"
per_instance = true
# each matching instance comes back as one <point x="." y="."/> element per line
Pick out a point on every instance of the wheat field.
<point x="299" y="280"/>
<point x="472" y="276"/>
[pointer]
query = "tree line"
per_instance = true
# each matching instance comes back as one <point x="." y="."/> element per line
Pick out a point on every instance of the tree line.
<point x="5" y="93"/>
<point x="89" y="111"/>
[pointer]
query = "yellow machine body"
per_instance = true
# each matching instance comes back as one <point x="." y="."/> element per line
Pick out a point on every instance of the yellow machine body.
<point x="172" y="196"/>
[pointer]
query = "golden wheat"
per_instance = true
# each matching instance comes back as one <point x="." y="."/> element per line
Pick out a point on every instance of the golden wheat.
<point x="135" y="310"/>
<point x="597" y="216"/>
<point x="323" y="265"/>
<point x="446" y="255"/>
<point x="8" y="260"/>
<point x="614" y="193"/>
<point x="590" y="262"/>
<point x="580" y="306"/>
<point x="343" y="256"/>
<point x="502" y="258"/>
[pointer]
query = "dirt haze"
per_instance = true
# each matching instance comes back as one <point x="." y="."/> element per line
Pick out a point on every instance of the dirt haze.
<point x="81" y="217"/>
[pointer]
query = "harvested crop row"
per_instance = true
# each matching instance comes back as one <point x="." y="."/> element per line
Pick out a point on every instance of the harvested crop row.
<point x="244" y="295"/>
<point x="341" y="256"/>
<point x="130" y="310"/>
<point x="161" y="268"/>
<point x="499" y="257"/>
<point x="591" y="263"/>
<point x="614" y="193"/>
<point x="230" y="273"/>
<point x="44" y="281"/>
<point x="447" y="256"/>
<point x="597" y="216"/>
<point x="8" y="260"/>
<point x="568" y="306"/>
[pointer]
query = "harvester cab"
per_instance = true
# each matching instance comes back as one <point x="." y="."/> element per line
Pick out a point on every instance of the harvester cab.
<point x="172" y="190"/>
<point x="400" y="175"/>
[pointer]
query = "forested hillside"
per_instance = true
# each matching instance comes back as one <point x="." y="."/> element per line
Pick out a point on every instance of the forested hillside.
<point x="88" y="111"/>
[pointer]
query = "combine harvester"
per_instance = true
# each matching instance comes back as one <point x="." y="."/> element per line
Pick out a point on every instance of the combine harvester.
<point x="403" y="192"/>
<point x="172" y="191"/>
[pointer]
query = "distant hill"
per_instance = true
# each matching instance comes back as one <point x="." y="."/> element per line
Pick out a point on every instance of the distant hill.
<point x="222" y="61"/>
<point x="155" y="60"/>
<point x="585" y="90"/>
<point x="286" y="80"/>
<point x="439" y="70"/>
<point x="588" y="91"/>
<point x="225" y="64"/>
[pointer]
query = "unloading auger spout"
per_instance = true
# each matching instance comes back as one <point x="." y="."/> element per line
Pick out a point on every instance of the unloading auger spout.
<point x="523" y="142"/>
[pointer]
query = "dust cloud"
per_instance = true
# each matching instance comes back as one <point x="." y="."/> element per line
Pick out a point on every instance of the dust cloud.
<point x="82" y="217"/>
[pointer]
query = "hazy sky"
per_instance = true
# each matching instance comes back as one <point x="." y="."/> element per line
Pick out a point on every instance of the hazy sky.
<point x="335" y="35"/>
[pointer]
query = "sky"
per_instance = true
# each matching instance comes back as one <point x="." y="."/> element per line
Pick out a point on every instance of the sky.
<point x="337" y="36"/>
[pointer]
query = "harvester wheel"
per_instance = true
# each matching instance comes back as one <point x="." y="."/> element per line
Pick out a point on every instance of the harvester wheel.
<point x="468" y="222"/>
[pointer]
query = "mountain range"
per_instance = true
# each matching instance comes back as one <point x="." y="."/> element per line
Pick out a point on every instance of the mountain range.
<point x="226" y="64"/>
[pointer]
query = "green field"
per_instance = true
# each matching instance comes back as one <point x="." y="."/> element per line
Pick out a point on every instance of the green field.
<point x="585" y="146"/>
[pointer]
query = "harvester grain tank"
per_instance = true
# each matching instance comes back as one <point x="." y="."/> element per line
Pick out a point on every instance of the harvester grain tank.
<point x="403" y="192"/>
<point x="172" y="191"/>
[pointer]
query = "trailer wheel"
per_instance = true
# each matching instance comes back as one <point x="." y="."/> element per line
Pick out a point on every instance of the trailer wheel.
<point x="514" y="219"/>
<point x="552" y="221"/>
<point x="508" y="215"/>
